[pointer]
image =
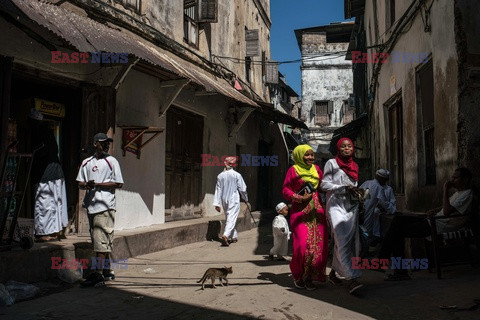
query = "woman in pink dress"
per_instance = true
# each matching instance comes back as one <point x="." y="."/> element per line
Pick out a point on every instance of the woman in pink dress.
<point x="307" y="219"/>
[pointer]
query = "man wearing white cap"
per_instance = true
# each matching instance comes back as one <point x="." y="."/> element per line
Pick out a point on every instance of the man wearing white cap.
<point x="381" y="201"/>
<point x="281" y="233"/>
<point x="228" y="191"/>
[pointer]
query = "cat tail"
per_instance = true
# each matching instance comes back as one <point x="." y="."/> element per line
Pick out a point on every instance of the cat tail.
<point x="203" y="278"/>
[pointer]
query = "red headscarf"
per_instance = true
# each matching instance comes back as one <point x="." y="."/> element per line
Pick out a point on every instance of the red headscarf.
<point x="349" y="166"/>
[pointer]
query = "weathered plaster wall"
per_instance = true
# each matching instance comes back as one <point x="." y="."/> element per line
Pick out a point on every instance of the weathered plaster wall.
<point x="324" y="78"/>
<point x="467" y="28"/>
<point x="440" y="42"/>
<point x="141" y="201"/>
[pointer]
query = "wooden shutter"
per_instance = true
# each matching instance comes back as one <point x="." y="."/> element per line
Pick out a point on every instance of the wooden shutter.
<point x="271" y="72"/>
<point x="207" y="11"/>
<point x="330" y="107"/>
<point x="252" y="43"/>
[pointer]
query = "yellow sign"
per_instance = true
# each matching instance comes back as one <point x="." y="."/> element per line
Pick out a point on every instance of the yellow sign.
<point x="51" y="108"/>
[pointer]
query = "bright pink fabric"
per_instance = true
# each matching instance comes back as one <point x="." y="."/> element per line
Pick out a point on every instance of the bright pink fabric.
<point x="309" y="230"/>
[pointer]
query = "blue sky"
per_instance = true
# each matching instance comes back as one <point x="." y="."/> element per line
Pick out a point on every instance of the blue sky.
<point x="288" y="15"/>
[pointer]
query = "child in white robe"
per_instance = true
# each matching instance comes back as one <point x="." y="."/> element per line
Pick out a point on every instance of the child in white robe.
<point x="281" y="233"/>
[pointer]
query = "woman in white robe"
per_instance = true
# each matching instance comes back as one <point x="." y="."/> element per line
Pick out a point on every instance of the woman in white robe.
<point x="340" y="175"/>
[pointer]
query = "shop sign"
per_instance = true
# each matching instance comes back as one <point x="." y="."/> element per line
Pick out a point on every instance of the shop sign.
<point x="135" y="146"/>
<point x="50" y="108"/>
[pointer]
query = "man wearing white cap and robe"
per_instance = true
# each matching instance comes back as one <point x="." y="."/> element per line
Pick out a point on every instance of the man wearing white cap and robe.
<point x="229" y="190"/>
<point x="381" y="201"/>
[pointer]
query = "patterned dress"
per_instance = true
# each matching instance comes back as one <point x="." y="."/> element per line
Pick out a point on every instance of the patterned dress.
<point x="309" y="230"/>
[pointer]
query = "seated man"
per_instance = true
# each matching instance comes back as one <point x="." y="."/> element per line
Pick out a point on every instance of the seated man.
<point x="418" y="227"/>
<point x="381" y="201"/>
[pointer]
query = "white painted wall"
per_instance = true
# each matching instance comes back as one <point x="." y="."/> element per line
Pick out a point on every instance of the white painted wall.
<point x="141" y="201"/>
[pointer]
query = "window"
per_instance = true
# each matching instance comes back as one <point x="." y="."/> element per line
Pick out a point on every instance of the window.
<point x="425" y="119"/>
<point x="322" y="110"/>
<point x="248" y="66"/>
<point x="389" y="13"/>
<point x="395" y="142"/>
<point x="347" y="112"/>
<point x="252" y="43"/>
<point x="131" y="4"/>
<point x="190" y="27"/>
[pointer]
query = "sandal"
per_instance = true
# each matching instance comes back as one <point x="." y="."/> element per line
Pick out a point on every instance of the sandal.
<point x="45" y="239"/>
<point x="234" y="240"/>
<point x="224" y="241"/>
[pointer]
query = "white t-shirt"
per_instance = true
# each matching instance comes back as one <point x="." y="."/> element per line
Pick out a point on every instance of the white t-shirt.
<point x="100" y="170"/>
<point x="461" y="201"/>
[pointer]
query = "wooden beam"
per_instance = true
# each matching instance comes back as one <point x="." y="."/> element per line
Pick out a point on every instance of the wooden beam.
<point x="174" y="92"/>
<point x="241" y="121"/>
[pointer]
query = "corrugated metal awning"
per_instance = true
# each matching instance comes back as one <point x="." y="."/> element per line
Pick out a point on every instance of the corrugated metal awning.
<point x="277" y="116"/>
<point x="87" y="35"/>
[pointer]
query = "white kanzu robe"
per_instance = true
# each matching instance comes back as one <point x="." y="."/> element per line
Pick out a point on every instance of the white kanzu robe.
<point x="342" y="214"/>
<point x="230" y="187"/>
<point x="50" y="210"/>
<point x="280" y="238"/>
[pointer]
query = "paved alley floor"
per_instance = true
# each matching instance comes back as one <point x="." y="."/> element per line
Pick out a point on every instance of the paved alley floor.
<point x="162" y="285"/>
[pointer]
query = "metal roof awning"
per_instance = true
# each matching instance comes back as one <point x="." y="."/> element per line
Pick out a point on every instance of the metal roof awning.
<point x="350" y="130"/>
<point x="290" y="140"/>
<point x="87" y="35"/>
<point x="270" y="113"/>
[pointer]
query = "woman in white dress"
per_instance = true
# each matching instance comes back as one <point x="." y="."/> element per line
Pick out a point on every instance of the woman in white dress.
<point x="340" y="177"/>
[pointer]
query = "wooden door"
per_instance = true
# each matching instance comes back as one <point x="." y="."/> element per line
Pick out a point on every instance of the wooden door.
<point x="184" y="141"/>
<point x="98" y="115"/>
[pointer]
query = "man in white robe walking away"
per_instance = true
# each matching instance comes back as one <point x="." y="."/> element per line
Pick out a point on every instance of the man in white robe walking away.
<point x="229" y="190"/>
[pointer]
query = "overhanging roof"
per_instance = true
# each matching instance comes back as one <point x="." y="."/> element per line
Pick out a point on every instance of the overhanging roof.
<point x="87" y="35"/>
<point x="350" y="130"/>
<point x="335" y="32"/>
<point x="353" y="8"/>
<point x="270" y="113"/>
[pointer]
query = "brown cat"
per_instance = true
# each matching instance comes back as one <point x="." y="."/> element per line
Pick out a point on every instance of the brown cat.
<point x="212" y="273"/>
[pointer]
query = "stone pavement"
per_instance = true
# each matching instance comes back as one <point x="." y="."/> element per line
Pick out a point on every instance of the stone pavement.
<point x="162" y="285"/>
<point x="35" y="264"/>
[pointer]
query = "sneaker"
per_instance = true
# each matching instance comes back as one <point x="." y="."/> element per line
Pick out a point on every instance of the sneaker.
<point x="94" y="280"/>
<point x="332" y="277"/>
<point x="354" y="285"/>
<point x="309" y="285"/>
<point x="300" y="284"/>
<point x="108" y="275"/>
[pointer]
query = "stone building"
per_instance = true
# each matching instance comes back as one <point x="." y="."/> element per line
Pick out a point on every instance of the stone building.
<point x="326" y="82"/>
<point x="422" y="102"/>
<point x="169" y="80"/>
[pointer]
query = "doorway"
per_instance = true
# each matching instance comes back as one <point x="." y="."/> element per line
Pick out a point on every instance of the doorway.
<point x="183" y="175"/>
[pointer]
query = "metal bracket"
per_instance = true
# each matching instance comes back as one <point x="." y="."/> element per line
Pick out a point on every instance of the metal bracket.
<point x="122" y="74"/>
<point x="177" y="85"/>
<point x="246" y="112"/>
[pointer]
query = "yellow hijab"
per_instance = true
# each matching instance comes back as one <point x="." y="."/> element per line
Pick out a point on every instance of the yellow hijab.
<point x="306" y="172"/>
